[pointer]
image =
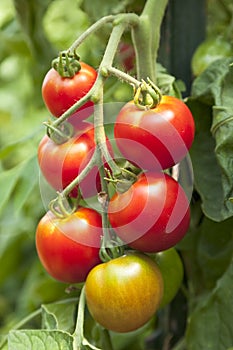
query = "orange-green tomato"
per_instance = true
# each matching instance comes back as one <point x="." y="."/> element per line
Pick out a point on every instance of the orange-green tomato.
<point x="124" y="293"/>
<point x="171" y="267"/>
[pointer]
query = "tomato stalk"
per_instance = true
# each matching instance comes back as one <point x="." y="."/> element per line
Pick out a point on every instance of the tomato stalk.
<point x="130" y="18"/>
<point x="146" y="37"/>
<point x="80" y="342"/>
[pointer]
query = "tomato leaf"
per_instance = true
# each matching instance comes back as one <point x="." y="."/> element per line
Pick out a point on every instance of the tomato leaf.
<point x="22" y="177"/>
<point x="214" y="252"/>
<point x="39" y="340"/>
<point x="59" y="315"/>
<point x="210" y="325"/>
<point x="211" y="104"/>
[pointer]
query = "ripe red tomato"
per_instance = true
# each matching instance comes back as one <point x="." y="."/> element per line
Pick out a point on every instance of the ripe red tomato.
<point x="172" y="270"/>
<point x="59" y="93"/>
<point x="153" y="215"/>
<point x="157" y="138"/>
<point x="69" y="248"/>
<point x="126" y="55"/>
<point x="124" y="293"/>
<point x="62" y="163"/>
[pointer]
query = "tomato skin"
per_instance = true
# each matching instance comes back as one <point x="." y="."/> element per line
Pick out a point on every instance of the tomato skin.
<point x="69" y="248"/>
<point x="155" y="139"/>
<point x="124" y="293"/>
<point x="60" y="164"/>
<point x="153" y="215"/>
<point x="172" y="270"/>
<point x="59" y="93"/>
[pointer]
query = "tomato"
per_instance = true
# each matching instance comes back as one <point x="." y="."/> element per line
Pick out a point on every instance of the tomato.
<point x="126" y="56"/>
<point x="152" y="215"/>
<point x="69" y="248"/>
<point x="124" y="293"/>
<point x="157" y="138"/>
<point x="59" y="94"/>
<point x="171" y="267"/>
<point x="62" y="163"/>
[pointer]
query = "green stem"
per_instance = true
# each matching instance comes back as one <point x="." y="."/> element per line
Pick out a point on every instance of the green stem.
<point x="20" y="324"/>
<point x="82" y="175"/>
<point x="146" y="37"/>
<point x="80" y="342"/>
<point x="123" y="76"/>
<point x="79" y="331"/>
<point x="121" y="21"/>
<point x="93" y="28"/>
<point x="127" y="18"/>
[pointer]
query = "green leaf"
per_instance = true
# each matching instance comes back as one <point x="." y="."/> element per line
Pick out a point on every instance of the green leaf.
<point x="59" y="315"/>
<point x="207" y="174"/>
<point x="210" y="325"/>
<point x="214" y="250"/>
<point x="39" y="340"/>
<point x="23" y="178"/>
<point x="212" y="106"/>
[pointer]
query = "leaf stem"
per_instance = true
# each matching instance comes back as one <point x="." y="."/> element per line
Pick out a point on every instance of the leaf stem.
<point x="80" y="341"/>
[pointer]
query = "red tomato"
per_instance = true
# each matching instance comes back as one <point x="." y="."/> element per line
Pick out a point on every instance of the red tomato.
<point x="153" y="215"/>
<point x="60" y="164"/>
<point x="69" y="248"/>
<point x="124" y="293"/>
<point x="157" y="138"/>
<point x="59" y="94"/>
<point x="127" y="56"/>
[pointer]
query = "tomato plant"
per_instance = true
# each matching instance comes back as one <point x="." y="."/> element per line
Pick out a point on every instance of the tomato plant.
<point x="68" y="247"/>
<point x="124" y="293"/>
<point x="147" y="213"/>
<point x="172" y="270"/>
<point x="61" y="163"/>
<point x="152" y="215"/>
<point x="156" y="138"/>
<point x="60" y="93"/>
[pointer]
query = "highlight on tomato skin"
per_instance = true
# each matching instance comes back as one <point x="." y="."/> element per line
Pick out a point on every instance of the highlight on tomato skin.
<point x="123" y="294"/>
<point x="68" y="248"/>
<point x="165" y="132"/>
<point x="152" y="215"/>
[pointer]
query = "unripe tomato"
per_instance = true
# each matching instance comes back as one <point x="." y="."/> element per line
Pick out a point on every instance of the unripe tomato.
<point x="124" y="293"/>
<point x="69" y="248"/>
<point x="172" y="270"/>
<point x="157" y="138"/>
<point x="152" y="215"/>
<point x="59" y="93"/>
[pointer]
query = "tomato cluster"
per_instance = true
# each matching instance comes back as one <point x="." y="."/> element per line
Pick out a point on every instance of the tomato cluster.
<point x="149" y="216"/>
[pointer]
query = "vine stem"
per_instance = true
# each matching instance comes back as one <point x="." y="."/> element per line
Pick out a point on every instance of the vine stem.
<point x="146" y="38"/>
<point x="130" y="18"/>
<point x="123" y="76"/>
<point x="80" y="342"/>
